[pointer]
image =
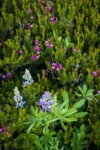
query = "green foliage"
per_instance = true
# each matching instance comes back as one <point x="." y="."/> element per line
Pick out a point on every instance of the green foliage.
<point x="76" y="46"/>
<point x="79" y="138"/>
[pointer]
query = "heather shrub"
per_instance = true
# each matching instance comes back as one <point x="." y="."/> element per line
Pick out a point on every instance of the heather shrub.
<point x="49" y="46"/>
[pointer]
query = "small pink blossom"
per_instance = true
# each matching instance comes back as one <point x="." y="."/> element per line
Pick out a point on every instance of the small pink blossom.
<point x="59" y="67"/>
<point x="36" y="42"/>
<point x="30" y="26"/>
<point x="99" y="92"/>
<point x="29" y="11"/>
<point x="37" y="48"/>
<point x="7" y="133"/>
<point x="3" y="76"/>
<point x="41" y="2"/>
<point x="1" y="130"/>
<point x="20" y="51"/>
<point x="35" y="57"/>
<point x="38" y="52"/>
<point x="56" y="67"/>
<point x="94" y="74"/>
<point x="5" y="128"/>
<point x="48" y="8"/>
<point x="49" y="45"/>
<point x="32" y="17"/>
<point x="53" y="20"/>
<point x="8" y="75"/>
<point x="75" y="50"/>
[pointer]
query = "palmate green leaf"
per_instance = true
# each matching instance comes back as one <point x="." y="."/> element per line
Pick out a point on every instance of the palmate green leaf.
<point x="65" y="99"/>
<point x="81" y="90"/>
<point x="79" y="114"/>
<point x="71" y="45"/>
<point x="30" y="120"/>
<point x="32" y="110"/>
<point x="54" y="34"/>
<point x="21" y="137"/>
<point x="63" y="111"/>
<point x="84" y="89"/>
<point x="80" y="95"/>
<point x="31" y="126"/>
<point x="59" y="40"/>
<point x="70" y="112"/>
<point x="68" y="119"/>
<point x="52" y="120"/>
<point x="89" y="92"/>
<point x="66" y="42"/>
<point x="37" y="143"/>
<point x="79" y="104"/>
<point x="62" y="124"/>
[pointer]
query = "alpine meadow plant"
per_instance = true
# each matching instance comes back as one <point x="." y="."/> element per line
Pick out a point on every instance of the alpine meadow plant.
<point x="18" y="98"/>
<point x="49" y="75"/>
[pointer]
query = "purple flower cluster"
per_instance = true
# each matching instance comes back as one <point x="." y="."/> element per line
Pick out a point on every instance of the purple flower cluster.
<point x="5" y="130"/>
<point x="46" y="101"/>
<point x="37" y="49"/>
<point x="7" y="76"/>
<point x="48" y="44"/>
<point x="48" y="8"/>
<point x="56" y="67"/>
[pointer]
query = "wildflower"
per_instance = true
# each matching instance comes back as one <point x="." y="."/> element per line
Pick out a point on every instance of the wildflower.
<point x="41" y="2"/>
<point x="29" y="11"/>
<point x="46" y="101"/>
<point x="30" y="26"/>
<point x="54" y="65"/>
<point x="1" y="130"/>
<point x="18" y="98"/>
<point x="35" y="57"/>
<point x="59" y="67"/>
<point x="32" y="17"/>
<point x="38" y="52"/>
<point x="94" y="74"/>
<point x="28" y="78"/>
<point x="7" y="133"/>
<point x="48" y="44"/>
<point x="53" y="20"/>
<point x="8" y="75"/>
<point x="36" y="42"/>
<point x="5" y="128"/>
<point x="99" y="92"/>
<point x="20" y="51"/>
<point x="75" y="50"/>
<point x="48" y="8"/>
<point x="37" y="48"/>
<point x="3" y="76"/>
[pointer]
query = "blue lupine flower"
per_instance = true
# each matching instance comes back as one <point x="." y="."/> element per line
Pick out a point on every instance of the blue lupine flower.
<point x="28" y="78"/>
<point x="18" y="98"/>
<point x="46" y="101"/>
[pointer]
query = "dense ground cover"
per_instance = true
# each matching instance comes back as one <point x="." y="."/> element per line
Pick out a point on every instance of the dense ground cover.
<point x="49" y="75"/>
